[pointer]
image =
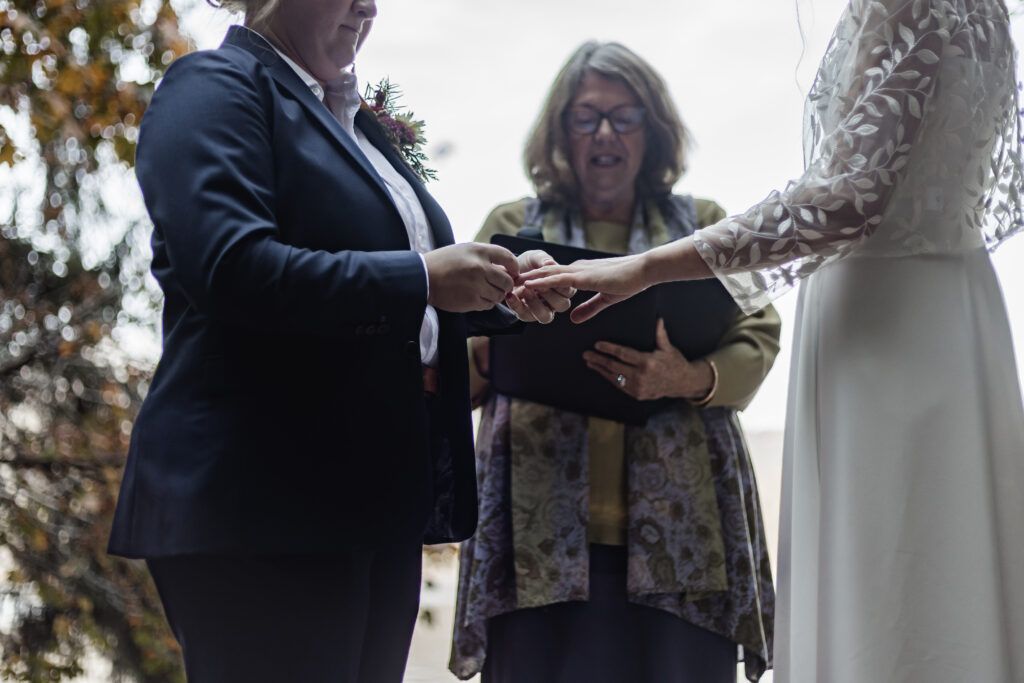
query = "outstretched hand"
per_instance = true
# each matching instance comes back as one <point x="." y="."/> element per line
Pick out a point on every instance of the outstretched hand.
<point x="538" y="305"/>
<point x="614" y="280"/>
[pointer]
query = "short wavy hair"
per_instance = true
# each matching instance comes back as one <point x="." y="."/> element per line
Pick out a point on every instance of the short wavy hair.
<point x="546" y="155"/>
<point x="255" y="11"/>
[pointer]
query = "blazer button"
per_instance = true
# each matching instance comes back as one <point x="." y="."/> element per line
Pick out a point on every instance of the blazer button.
<point x="371" y="330"/>
<point x="359" y="330"/>
<point x="412" y="349"/>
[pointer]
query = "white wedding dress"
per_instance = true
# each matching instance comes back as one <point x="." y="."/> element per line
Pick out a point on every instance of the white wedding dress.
<point x="901" y="554"/>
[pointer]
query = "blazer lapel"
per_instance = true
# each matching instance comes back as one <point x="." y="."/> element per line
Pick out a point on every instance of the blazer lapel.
<point x="439" y="225"/>
<point x="242" y="37"/>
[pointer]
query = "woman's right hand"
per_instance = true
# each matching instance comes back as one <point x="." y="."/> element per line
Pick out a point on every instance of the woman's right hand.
<point x="469" y="277"/>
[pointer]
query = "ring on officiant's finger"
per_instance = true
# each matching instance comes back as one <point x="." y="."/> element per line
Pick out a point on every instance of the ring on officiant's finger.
<point x="621" y="379"/>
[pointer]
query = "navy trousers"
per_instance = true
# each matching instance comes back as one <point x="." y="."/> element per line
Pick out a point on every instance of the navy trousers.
<point x="340" y="618"/>
<point x="604" y="640"/>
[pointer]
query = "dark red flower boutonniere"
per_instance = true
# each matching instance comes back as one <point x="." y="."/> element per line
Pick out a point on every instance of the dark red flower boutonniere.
<point x="404" y="132"/>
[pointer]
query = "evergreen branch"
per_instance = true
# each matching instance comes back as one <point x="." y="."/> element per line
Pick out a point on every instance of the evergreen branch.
<point x="402" y="130"/>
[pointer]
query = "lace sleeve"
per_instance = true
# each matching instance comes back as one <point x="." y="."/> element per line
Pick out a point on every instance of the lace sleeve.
<point x="863" y="116"/>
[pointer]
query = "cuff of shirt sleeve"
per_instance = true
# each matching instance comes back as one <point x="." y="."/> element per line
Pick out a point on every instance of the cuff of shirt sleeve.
<point x="426" y="274"/>
<point x="712" y="392"/>
<point x="736" y="378"/>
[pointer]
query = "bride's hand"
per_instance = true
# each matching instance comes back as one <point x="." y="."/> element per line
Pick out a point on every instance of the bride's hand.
<point x="614" y="280"/>
<point x="538" y="305"/>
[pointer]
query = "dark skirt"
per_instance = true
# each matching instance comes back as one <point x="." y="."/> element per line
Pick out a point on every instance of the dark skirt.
<point x="604" y="640"/>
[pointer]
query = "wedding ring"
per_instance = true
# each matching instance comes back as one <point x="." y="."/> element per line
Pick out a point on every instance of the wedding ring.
<point x="621" y="379"/>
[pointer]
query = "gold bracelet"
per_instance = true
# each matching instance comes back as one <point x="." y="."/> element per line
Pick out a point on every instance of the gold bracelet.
<point x="714" y="386"/>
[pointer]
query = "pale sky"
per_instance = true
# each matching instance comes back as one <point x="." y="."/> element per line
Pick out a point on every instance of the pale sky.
<point x="477" y="72"/>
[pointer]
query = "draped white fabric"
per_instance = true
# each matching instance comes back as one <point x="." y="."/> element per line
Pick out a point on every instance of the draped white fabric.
<point x="912" y="139"/>
<point x="901" y="556"/>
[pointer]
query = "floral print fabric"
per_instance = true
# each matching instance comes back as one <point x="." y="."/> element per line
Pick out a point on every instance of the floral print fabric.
<point x="696" y="543"/>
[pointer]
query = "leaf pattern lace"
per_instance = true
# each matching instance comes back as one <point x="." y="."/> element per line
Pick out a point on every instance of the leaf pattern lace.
<point x="912" y="130"/>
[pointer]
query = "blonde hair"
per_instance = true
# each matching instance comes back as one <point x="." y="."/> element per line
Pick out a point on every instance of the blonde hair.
<point x="546" y="155"/>
<point x="255" y="11"/>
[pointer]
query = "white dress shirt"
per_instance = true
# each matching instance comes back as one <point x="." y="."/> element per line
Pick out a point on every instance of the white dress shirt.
<point x="342" y="99"/>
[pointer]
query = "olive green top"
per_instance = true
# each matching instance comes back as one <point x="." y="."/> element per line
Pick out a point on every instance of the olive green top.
<point x="743" y="359"/>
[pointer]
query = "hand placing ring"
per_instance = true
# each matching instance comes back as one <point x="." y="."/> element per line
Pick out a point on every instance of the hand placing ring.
<point x="621" y="379"/>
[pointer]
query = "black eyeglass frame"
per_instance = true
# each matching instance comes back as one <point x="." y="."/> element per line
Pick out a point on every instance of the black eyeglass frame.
<point x="618" y="127"/>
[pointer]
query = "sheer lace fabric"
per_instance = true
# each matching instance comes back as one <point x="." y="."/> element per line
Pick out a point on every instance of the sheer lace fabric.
<point x="912" y="139"/>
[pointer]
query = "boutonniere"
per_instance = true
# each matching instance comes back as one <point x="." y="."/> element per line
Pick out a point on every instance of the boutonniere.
<point x="400" y="128"/>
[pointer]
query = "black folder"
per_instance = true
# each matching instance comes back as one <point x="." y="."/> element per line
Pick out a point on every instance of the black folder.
<point x="544" y="363"/>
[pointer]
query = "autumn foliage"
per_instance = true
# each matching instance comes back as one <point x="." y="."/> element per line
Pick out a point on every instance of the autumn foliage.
<point x="75" y="78"/>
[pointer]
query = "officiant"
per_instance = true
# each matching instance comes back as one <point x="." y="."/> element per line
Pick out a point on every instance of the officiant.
<point x="608" y="552"/>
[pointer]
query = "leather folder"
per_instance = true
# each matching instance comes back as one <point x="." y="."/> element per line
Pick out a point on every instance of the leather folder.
<point x="544" y="363"/>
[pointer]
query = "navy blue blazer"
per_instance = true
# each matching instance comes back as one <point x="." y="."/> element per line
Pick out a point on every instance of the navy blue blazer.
<point x="287" y="412"/>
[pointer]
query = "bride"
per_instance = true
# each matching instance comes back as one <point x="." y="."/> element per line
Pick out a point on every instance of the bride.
<point x="901" y="557"/>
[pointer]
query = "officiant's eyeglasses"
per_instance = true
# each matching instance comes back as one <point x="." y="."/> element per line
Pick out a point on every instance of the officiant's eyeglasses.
<point x="625" y="118"/>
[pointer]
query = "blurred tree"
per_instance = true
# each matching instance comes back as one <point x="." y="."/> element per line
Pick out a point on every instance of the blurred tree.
<point x="75" y="78"/>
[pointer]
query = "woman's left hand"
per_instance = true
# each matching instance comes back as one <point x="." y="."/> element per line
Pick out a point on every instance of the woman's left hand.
<point x="538" y="305"/>
<point x="664" y="372"/>
<point x="614" y="279"/>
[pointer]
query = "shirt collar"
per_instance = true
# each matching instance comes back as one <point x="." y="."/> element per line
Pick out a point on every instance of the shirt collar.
<point x="343" y="91"/>
<point x="306" y="77"/>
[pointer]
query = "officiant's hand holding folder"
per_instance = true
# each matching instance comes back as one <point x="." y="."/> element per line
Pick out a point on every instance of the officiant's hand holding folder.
<point x="545" y="363"/>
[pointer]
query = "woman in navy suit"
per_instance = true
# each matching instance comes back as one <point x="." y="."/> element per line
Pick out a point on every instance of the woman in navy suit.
<point x="308" y="425"/>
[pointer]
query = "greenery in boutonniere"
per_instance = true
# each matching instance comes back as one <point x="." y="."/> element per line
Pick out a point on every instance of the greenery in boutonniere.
<point x="403" y="131"/>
